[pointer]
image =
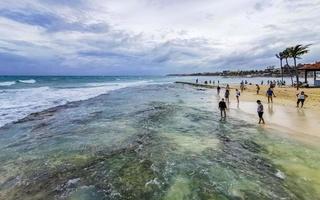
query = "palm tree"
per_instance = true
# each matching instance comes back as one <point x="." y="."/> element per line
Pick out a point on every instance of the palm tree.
<point x="286" y="55"/>
<point x="280" y="57"/>
<point x="295" y="53"/>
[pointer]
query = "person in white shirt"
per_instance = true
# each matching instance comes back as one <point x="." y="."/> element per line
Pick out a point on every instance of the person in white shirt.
<point x="301" y="98"/>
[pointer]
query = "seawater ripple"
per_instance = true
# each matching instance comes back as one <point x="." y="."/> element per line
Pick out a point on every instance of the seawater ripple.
<point x="145" y="142"/>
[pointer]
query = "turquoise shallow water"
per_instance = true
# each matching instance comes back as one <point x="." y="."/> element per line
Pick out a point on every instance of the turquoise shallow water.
<point x="160" y="141"/>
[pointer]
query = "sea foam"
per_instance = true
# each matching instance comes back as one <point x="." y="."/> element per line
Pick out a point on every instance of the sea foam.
<point x="7" y="83"/>
<point x="30" y="81"/>
<point x="18" y="103"/>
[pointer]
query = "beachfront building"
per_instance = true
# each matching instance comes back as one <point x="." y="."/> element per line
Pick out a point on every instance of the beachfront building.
<point x="315" y="67"/>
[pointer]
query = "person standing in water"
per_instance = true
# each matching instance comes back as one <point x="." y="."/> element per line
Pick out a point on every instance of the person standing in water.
<point x="301" y="98"/>
<point x="218" y="90"/>
<point x="197" y="81"/>
<point x="260" y="111"/>
<point x="226" y="95"/>
<point x="237" y="95"/>
<point x="270" y="95"/>
<point x="222" y="107"/>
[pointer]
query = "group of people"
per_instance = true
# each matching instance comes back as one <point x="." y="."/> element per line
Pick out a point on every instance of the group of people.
<point x="224" y="101"/>
<point x="301" y="96"/>
<point x="207" y="82"/>
<point x="273" y="83"/>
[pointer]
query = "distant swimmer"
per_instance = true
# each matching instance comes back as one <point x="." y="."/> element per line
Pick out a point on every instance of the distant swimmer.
<point x="222" y="107"/>
<point x="270" y="94"/>
<point x="301" y="98"/>
<point x="260" y="111"/>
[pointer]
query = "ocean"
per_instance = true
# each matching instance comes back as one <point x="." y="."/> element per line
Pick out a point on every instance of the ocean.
<point x="142" y="138"/>
<point x="23" y="95"/>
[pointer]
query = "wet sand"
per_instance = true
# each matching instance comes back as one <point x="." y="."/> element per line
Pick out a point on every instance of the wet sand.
<point x="301" y="124"/>
<point x="283" y="111"/>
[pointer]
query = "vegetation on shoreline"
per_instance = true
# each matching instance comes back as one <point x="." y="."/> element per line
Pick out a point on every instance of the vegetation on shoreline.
<point x="294" y="52"/>
<point x="268" y="72"/>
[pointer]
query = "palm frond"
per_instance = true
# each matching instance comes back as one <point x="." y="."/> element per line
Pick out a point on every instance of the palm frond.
<point x="298" y="50"/>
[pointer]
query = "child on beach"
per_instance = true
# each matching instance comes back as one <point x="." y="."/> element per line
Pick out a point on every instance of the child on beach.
<point x="222" y="107"/>
<point x="237" y="95"/>
<point x="270" y="95"/>
<point x="260" y="111"/>
<point x="301" y="97"/>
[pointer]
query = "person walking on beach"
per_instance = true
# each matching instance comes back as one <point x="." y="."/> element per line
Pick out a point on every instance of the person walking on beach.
<point x="222" y="107"/>
<point x="226" y="95"/>
<point x="237" y="95"/>
<point x="218" y="89"/>
<point x="301" y="98"/>
<point x="260" y="111"/>
<point x="258" y="88"/>
<point x="270" y="95"/>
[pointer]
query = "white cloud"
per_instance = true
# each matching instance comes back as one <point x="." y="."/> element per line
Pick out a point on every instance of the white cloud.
<point x="173" y="35"/>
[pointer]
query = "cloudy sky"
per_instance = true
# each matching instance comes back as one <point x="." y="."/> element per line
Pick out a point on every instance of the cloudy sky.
<point x="119" y="37"/>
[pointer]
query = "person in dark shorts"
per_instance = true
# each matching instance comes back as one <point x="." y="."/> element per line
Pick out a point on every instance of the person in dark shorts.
<point x="260" y="111"/>
<point x="222" y="107"/>
<point x="301" y="98"/>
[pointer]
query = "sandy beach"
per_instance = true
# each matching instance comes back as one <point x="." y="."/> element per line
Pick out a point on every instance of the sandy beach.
<point x="285" y="96"/>
<point x="283" y="110"/>
<point x="300" y="123"/>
